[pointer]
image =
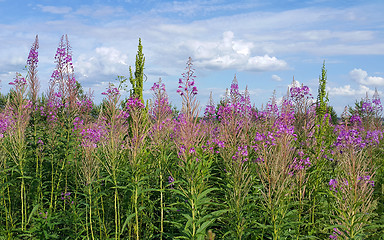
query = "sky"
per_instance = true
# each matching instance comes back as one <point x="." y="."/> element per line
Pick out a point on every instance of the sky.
<point x="266" y="44"/>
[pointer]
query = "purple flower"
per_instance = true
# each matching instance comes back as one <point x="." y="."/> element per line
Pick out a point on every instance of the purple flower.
<point x="192" y="150"/>
<point x="134" y="103"/>
<point x="111" y="91"/>
<point x="367" y="180"/>
<point x="171" y="180"/>
<point x="333" y="185"/>
<point x="186" y="84"/>
<point x="19" y="81"/>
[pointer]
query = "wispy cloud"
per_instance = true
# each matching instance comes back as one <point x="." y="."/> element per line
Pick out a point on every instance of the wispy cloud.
<point x="198" y="8"/>
<point x="276" y="78"/>
<point x="97" y="11"/>
<point x="55" y="9"/>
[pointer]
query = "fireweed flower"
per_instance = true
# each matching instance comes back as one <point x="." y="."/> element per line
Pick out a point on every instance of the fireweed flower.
<point x="63" y="79"/>
<point x="336" y="232"/>
<point x="19" y="81"/>
<point x="188" y="92"/>
<point x="210" y="110"/>
<point x="78" y="123"/>
<point x="111" y="91"/>
<point x="66" y="197"/>
<point x="333" y="185"/>
<point x="187" y="83"/>
<point x="7" y="122"/>
<point x="160" y="108"/>
<point x="192" y="150"/>
<point x="299" y="93"/>
<point x="366" y="180"/>
<point x="134" y="104"/>
<point x="171" y="180"/>
<point x="299" y="164"/>
<point x="241" y="153"/>
<point x="33" y="57"/>
<point x="356" y="137"/>
<point x="85" y="104"/>
<point x="355" y="119"/>
<point x="92" y="135"/>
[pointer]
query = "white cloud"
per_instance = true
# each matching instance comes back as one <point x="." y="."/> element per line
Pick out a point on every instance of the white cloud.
<point x="347" y="90"/>
<point x="362" y="77"/>
<point x="265" y="63"/>
<point x="104" y="60"/>
<point x="55" y="9"/>
<point x="232" y="53"/>
<point x="276" y="78"/>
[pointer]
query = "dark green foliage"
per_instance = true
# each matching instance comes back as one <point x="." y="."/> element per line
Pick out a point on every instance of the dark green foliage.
<point x="322" y="96"/>
<point x="3" y="100"/>
<point x="137" y="79"/>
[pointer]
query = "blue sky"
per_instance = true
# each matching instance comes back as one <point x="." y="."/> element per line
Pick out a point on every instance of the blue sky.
<point x="265" y="43"/>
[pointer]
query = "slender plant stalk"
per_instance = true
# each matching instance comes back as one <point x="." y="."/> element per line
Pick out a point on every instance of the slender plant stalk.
<point x="90" y="209"/>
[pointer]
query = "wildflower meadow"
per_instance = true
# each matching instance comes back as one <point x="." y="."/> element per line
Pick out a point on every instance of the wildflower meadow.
<point x="131" y="168"/>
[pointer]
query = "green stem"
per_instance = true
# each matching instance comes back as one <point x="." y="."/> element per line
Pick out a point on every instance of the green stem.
<point x="136" y="209"/>
<point x="161" y="206"/>
<point x="52" y="182"/>
<point x="90" y="210"/>
<point x="117" y="230"/>
<point x="22" y="200"/>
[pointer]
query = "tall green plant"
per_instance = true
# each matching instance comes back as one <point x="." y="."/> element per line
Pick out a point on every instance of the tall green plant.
<point x="319" y="173"/>
<point x="137" y="78"/>
<point x="322" y="96"/>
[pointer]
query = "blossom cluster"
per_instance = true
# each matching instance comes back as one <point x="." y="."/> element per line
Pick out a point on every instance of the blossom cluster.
<point x="92" y="134"/>
<point x="134" y="104"/>
<point x="19" y="81"/>
<point x="298" y="93"/>
<point x="187" y="83"/>
<point x="6" y="123"/>
<point x="111" y="91"/>
<point x="66" y="197"/>
<point x="356" y="138"/>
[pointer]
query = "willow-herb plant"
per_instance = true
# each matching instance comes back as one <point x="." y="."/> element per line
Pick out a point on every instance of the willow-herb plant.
<point x="72" y="169"/>
<point x="160" y="114"/>
<point x="111" y="154"/>
<point x="233" y="134"/>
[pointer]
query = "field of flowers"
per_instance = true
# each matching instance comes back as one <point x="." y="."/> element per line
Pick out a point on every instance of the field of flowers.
<point x="129" y="169"/>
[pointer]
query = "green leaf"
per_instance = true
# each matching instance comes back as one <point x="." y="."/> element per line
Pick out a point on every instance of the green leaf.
<point x="35" y="208"/>
<point x="129" y="217"/>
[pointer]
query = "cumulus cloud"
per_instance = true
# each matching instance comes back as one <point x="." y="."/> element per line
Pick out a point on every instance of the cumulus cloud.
<point x="232" y="53"/>
<point x="265" y="63"/>
<point x="362" y="77"/>
<point x="104" y="60"/>
<point x="347" y="90"/>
